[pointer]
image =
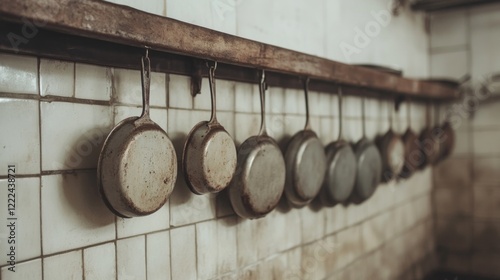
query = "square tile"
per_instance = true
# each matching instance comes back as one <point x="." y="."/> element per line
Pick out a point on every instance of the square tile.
<point x="247" y="98"/>
<point x="248" y="125"/>
<point x="203" y="100"/>
<point x="275" y="101"/>
<point x="157" y="221"/>
<point x="335" y="219"/>
<point x="183" y="247"/>
<point x="246" y="232"/>
<point x="158" y="255"/>
<point x="486" y="235"/>
<point x="226" y="245"/>
<point x="224" y="15"/>
<point x="27" y="212"/>
<point x="225" y="95"/>
<point x="187" y="208"/>
<point x="20" y="142"/>
<point x="484" y="41"/>
<point x="350" y="245"/>
<point x="85" y="129"/>
<point x="128" y="87"/>
<point x="454" y="172"/>
<point x="159" y="116"/>
<point x="179" y="92"/>
<point x="312" y="219"/>
<point x="454" y="235"/>
<point x="27" y="270"/>
<point x="486" y="265"/>
<point x="92" y="82"/>
<point x="57" y="78"/>
<point x="294" y="100"/>
<point x="486" y="201"/>
<point x="448" y="28"/>
<point x="100" y="262"/>
<point x="71" y="262"/>
<point x="19" y="74"/>
<point x="131" y="258"/>
<point x="206" y="249"/>
<point x="486" y="169"/>
<point x="73" y="214"/>
<point x="453" y="64"/>
<point x="450" y="202"/>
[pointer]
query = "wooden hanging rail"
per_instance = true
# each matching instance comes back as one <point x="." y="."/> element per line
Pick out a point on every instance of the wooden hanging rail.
<point x="103" y="33"/>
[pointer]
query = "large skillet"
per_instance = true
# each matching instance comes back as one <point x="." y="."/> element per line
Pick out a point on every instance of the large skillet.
<point x="259" y="180"/>
<point x="369" y="165"/>
<point x="209" y="157"/>
<point x="340" y="174"/>
<point x="391" y="149"/>
<point x="137" y="166"/>
<point x="305" y="163"/>
<point x="413" y="155"/>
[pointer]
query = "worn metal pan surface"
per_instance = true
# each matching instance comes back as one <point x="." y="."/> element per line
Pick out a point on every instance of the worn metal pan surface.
<point x="305" y="163"/>
<point x="391" y="149"/>
<point x="448" y="140"/>
<point x="259" y="180"/>
<point x="369" y="166"/>
<point x="209" y="156"/>
<point x="137" y="166"/>
<point x="429" y="144"/>
<point x="340" y="172"/>
<point x="413" y="155"/>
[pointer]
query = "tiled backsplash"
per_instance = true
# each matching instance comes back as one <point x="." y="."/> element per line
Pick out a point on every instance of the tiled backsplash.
<point x="466" y="195"/>
<point x="55" y="116"/>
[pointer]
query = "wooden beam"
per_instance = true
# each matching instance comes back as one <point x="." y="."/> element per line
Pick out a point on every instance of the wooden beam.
<point x="133" y="30"/>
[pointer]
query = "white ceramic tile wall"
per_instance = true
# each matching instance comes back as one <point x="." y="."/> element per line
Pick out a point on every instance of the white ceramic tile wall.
<point x="72" y="107"/>
<point x="466" y="41"/>
<point x="99" y="262"/>
<point x="63" y="266"/>
<point x="20" y="142"/>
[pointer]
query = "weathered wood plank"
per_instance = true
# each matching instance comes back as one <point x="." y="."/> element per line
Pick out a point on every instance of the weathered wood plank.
<point x="126" y="26"/>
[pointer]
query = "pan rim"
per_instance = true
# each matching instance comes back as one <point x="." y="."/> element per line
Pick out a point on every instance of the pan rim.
<point x="135" y="130"/>
<point x="210" y="129"/>
<point x="241" y="206"/>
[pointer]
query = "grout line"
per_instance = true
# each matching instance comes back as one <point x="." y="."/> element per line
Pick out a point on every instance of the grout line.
<point x="83" y="265"/>
<point x="40" y="142"/>
<point x="146" y="255"/>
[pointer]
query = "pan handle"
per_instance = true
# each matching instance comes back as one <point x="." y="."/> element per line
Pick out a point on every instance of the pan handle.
<point x="211" y="79"/>
<point x="306" y="96"/>
<point x="146" y="80"/>
<point x="262" y="90"/>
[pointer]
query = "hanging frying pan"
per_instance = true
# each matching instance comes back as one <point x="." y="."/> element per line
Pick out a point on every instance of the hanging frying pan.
<point x="369" y="165"/>
<point x="448" y="140"/>
<point x="137" y="166"/>
<point x="341" y="168"/>
<point x="429" y="145"/>
<point x="391" y="149"/>
<point x="209" y="157"/>
<point x="413" y="155"/>
<point x="305" y="163"/>
<point x="259" y="180"/>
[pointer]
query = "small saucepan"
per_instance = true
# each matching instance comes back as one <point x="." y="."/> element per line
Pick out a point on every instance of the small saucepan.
<point x="305" y="163"/>
<point x="209" y="157"/>
<point x="340" y="174"/>
<point x="259" y="181"/>
<point x="137" y="166"/>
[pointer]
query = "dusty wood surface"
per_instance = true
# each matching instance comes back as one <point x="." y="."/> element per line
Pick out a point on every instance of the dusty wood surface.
<point x="129" y="27"/>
